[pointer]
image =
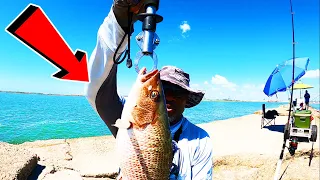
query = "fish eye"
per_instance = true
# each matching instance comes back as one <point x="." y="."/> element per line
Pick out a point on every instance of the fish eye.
<point x="154" y="94"/>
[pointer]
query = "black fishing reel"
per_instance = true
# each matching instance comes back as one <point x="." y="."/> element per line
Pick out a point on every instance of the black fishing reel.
<point x="293" y="145"/>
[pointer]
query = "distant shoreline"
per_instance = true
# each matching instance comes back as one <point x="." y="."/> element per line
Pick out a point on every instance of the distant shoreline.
<point x="50" y="94"/>
<point x="234" y="100"/>
<point x="205" y="100"/>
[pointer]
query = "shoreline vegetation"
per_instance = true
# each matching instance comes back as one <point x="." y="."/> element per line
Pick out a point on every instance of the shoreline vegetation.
<point x="242" y="150"/>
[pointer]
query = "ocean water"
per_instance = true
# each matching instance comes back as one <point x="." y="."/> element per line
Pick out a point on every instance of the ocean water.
<point x="30" y="117"/>
<point x="316" y="106"/>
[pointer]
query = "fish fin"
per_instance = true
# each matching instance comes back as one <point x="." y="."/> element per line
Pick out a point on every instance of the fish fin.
<point x="122" y="124"/>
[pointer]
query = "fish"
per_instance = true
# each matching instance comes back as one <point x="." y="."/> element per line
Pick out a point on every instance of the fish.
<point x="143" y="142"/>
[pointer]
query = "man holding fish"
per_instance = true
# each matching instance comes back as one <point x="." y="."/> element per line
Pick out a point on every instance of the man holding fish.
<point x="154" y="139"/>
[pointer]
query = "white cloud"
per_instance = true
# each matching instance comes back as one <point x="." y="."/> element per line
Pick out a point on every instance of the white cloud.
<point x="253" y="86"/>
<point x="221" y="88"/>
<point x="249" y="86"/>
<point x="312" y="74"/>
<point x="185" y="27"/>
<point x="194" y="85"/>
<point x="222" y="81"/>
<point x="261" y="86"/>
<point x="214" y="89"/>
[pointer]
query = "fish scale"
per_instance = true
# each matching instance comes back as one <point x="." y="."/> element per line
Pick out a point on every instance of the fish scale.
<point x="144" y="143"/>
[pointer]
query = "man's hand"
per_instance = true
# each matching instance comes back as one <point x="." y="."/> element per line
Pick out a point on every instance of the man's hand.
<point x="120" y="9"/>
<point x="135" y="5"/>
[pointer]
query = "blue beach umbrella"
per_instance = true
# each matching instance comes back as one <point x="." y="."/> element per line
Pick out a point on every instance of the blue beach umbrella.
<point x="281" y="77"/>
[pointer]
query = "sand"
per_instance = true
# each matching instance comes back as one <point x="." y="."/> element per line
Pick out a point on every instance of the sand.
<point x="242" y="150"/>
<point x="244" y="135"/>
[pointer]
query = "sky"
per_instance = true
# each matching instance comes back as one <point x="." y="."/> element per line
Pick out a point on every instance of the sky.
<point x="228" y="47"/>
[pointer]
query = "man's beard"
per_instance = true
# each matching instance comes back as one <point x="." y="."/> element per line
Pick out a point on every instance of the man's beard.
<point x="174" y="119"/>
<point x="171" y="118"/>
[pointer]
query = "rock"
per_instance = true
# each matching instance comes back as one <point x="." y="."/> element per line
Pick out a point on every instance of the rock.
<point x="41" y="171"/>
<point x="91" y="165"/>
<point x="55" y="152"/>
<point x="16" y="162"/>
<point x="64" y="174"/>
<point x="94" y="157"/>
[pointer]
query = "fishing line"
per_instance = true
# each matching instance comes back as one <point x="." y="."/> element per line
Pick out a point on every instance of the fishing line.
<point x="127" y="52"/>
<point x="292" y="83"/>
<point x="286" y="168"/>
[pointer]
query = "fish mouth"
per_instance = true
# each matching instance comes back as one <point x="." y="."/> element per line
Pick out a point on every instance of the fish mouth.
<point x="150" y="75"/>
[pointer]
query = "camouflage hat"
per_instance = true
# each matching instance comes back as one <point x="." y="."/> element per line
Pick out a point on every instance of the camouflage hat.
<point x="178" y="77"/>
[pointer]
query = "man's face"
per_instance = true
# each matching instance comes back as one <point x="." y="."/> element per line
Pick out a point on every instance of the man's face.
<point x="176" y="98"/>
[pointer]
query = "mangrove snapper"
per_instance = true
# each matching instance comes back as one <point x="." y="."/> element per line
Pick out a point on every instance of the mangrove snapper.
<point x="143" y="140"/>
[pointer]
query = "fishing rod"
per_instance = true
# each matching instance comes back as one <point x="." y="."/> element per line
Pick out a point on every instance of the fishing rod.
<point x="286" y="130"/>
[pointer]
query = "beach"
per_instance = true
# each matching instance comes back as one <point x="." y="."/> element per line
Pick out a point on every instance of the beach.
<point x="242" y="150"/>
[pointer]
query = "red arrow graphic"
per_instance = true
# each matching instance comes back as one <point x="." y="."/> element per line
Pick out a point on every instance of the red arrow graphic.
<point x="33" y="28"/>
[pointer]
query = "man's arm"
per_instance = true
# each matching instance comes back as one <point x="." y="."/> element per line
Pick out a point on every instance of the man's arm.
<point x="202" y="165"/>
<point x="101" y="91"/>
